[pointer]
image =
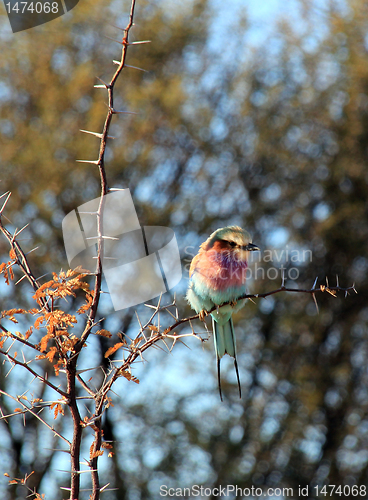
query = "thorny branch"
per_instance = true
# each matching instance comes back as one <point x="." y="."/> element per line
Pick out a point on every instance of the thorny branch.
<point x="150" y="334"/>
<point x="30" y="410"/>
<point x="95" y="450"/>
<point x="25" y="364"/>
<point x="18" y="257"/>
<point x="100" y="162"/>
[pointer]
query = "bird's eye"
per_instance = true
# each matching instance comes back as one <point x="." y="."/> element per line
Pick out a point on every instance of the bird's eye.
<point x="232" y="244"/>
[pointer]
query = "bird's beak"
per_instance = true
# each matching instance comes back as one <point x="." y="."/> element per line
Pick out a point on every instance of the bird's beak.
<point x="251" y="247"/>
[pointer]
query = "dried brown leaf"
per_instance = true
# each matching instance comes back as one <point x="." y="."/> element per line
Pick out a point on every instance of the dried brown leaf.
<point x="113" y="349"/>
<point x="104" y="333"/>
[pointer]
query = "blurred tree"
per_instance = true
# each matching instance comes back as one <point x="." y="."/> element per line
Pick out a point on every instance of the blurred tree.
<point x="271" y="137"/>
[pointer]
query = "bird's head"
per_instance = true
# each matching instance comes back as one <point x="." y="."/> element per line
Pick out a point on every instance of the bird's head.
<point x="232" y="241"/>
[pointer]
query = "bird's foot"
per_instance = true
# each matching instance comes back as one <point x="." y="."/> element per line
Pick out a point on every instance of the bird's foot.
<point x="202" y="314"/>
<point x="233" y="303"/>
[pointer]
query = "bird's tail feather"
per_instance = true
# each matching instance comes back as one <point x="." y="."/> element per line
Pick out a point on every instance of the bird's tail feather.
<point x="224" y="340"/>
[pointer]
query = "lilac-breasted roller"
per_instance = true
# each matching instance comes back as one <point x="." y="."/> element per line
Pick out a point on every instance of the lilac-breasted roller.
<point x="217" y="275"/>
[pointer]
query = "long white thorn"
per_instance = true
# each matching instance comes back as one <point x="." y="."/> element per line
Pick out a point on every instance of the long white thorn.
<point x="33" y="249"/>
<point x="136" y="67"/>
<point x="20" y="279"/>
<point x="16" y="234"/>
<point x="5" y="202"/>
<point x="140" y="42"/>
<point x="5" y="194"/>
<point x="107" y="85"/>
<point x="315" y="301"/>
<point x="96" y="134"/>
<point x="123" y="112"/>
<point x="93" y="162"/>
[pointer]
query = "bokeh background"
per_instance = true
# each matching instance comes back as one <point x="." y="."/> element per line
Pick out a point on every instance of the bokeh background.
<point x="255" y="115"/>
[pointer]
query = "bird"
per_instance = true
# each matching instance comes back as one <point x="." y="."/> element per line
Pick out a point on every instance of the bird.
<point x="217" y="275"/>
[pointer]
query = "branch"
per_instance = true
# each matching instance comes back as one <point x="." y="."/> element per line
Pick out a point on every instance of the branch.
<point x="35" y="374"/>
<point x="19" y="339"/>
<point x="20" y="256"/>
<point x="141" y="343"/>
<point x="27" y="409"/>
<point x="101" y="166"/>
<point x="332" y="290"/>
<point x="71" y="367"/>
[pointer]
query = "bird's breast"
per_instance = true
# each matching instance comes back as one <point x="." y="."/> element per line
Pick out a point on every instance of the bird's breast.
<point x="221" y="271"/>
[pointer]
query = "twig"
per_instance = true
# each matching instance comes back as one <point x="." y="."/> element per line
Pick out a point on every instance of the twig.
<point x="20" y="258"/>
<point x="19" y="339"/>
<point x="35" y="374"/>
<point x="29" y="410"/>
<point x="136" y="350"/>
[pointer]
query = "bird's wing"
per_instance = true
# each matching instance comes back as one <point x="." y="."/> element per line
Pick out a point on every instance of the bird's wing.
<point x="194" y="263"/>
